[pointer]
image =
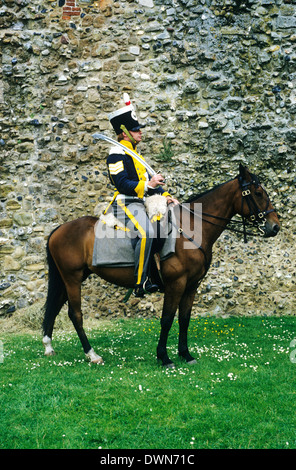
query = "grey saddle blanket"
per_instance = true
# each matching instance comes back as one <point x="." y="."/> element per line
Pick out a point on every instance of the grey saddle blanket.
<point x="113" y="245"/>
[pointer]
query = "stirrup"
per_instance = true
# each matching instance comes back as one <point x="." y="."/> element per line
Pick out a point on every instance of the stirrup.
<point x="147" y="288"/>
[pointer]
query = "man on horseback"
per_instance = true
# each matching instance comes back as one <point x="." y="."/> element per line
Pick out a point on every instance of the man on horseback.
<point x="133" y="184"/>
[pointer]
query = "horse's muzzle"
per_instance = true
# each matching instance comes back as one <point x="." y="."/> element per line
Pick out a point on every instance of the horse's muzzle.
<point x="271" y="229"/>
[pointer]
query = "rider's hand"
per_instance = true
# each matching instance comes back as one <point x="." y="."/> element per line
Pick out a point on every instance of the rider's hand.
<point x="172" y="200"/>
<point x="156" y="180"/>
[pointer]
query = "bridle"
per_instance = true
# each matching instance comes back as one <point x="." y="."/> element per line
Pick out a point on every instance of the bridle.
<point x="257" y="217"/>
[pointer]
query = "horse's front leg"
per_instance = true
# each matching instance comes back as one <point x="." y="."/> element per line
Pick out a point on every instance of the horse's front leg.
<point x="185" y="308"/>
<point x="170" y="305"/>
<point x="165" y="323"/>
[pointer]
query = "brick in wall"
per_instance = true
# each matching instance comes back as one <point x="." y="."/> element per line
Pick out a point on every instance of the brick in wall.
<point x="70" y="9"/>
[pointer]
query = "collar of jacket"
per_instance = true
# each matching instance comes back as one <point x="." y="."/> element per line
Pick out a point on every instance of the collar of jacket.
<point x="129" y="145"/>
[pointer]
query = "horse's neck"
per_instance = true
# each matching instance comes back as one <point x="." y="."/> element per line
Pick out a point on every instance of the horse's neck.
<point x="218" y="203"/>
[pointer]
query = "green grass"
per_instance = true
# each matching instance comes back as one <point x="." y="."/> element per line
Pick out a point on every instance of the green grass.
<point x="240" y="394"/>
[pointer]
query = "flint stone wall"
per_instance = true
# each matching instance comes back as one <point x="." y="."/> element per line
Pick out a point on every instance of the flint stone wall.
<point x="215" y="81"/>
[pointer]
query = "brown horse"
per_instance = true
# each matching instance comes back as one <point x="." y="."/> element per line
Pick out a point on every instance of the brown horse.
<point x="70" y="249"/>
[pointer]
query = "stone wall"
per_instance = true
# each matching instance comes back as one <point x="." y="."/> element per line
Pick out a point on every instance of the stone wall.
<point x="215" y="81"/>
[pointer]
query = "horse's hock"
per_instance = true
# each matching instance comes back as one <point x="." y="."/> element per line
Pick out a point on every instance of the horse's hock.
<point x="215" y="83"/>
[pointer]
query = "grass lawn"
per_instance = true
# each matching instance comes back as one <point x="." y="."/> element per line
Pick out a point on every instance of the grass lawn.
<point x="240" y="394"/>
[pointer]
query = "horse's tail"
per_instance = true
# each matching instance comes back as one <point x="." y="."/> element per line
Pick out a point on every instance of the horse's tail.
<point x="56" y="292"/>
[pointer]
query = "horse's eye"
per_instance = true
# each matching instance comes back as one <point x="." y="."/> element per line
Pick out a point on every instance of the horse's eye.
<point x="258" y="194"/>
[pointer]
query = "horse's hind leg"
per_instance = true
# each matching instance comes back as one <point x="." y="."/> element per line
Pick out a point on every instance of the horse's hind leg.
<point x="52" y="308"/>
<point x="56" y="297"/>
<point x="75" y="314"/>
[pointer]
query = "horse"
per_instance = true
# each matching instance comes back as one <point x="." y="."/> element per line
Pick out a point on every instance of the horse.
<point x="70" y="248"/>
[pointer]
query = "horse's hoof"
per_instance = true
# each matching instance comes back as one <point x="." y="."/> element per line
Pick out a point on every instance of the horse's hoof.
<point x="192" y="362"/>
<point x="188" y="358"/>
<point x="168" y="364"/>
<point x="94" y="358"/>
<point x="99" y="360"/>
<point x="49" y="353"/>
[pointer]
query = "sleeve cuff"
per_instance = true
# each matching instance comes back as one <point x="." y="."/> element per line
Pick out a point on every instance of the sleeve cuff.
<point x="140" y="189"/>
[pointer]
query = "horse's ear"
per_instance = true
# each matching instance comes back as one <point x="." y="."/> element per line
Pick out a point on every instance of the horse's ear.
<point x="242" y="171"/>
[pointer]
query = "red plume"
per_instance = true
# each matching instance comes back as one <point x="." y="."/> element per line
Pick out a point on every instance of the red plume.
<point x="126" y="99"/>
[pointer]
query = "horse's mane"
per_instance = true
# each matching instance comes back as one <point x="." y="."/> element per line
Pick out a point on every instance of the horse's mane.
<point x="194" y="197"/>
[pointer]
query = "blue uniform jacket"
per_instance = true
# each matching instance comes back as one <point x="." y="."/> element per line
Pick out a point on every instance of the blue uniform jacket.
<point x="128" y="175"/>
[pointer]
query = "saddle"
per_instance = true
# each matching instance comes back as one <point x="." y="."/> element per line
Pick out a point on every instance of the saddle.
<point x="113" y="246"/>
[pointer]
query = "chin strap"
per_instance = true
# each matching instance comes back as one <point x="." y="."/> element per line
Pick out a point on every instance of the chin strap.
<point x="124" y="129"/>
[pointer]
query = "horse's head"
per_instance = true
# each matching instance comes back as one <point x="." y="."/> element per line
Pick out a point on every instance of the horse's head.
<point x="255" y="203"/>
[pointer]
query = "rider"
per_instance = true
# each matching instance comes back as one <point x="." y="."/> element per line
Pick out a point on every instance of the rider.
<point x="132" y="184"/>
